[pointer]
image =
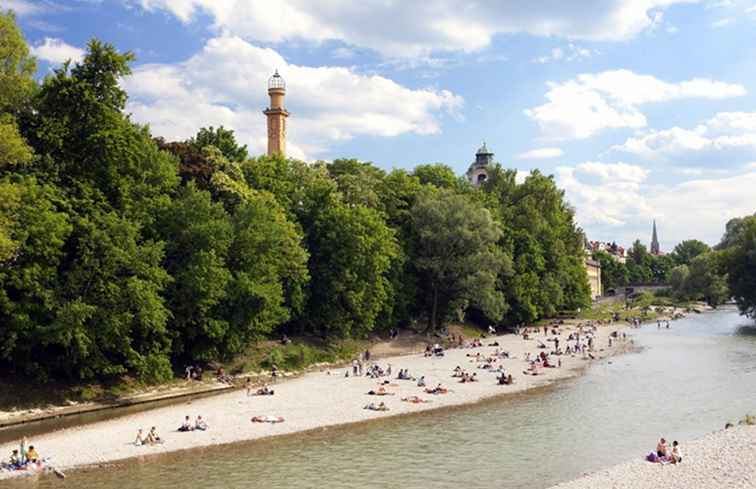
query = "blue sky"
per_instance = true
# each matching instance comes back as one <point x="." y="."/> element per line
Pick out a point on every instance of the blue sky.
<point x="641" y="109"/>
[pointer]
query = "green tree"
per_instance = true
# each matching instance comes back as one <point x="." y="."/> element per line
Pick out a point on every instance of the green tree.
<point x="351" y="251"/>
<point x="221" y="138"/>
<point x="704" y="280"/>
<point x="686" y="250"/>
<point x="678" y="277"/>
<point x="456" y="257"/>
<point x="17" y="67"/>
<point x="739" y="262"/>
<point x="439" y="175"/>
<point x="613" y="273"/>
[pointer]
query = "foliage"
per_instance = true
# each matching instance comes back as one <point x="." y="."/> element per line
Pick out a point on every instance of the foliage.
<point x="17" y="68"/>
<point x="687" y="250"/>
<point x="613" y="273"/>
<point x="220" y="138"/>
<point x="738" y="259"/>
<point x="456" y="257"/>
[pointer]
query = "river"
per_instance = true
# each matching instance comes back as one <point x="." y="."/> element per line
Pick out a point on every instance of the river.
<point x="683" y="383"/>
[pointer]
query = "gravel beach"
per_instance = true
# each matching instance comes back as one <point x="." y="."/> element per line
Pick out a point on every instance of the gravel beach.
<point x="314" y="400"/>
<point x="725" y="459"/>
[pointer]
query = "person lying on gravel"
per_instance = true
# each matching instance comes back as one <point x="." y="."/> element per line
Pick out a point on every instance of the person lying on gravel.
<point x="380" y="392"/>
<point x="380" y="407"/>
<point x="437" y="390"/>
<point x="267" y="419"/>
<point x="414" y="400"/>
<point x="265" y="391"/>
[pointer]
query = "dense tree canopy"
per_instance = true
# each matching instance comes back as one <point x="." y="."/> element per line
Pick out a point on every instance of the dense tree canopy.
<point x="738" y="259"/>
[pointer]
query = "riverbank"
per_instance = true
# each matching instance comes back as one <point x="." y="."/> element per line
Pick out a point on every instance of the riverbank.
<point x="724" y="459"/>
<point x="314" y="400"/>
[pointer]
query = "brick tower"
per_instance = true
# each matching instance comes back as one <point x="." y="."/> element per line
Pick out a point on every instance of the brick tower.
<point x="276" y="115"/>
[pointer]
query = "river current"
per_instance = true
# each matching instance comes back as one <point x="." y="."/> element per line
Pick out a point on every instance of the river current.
<point x="683" y="383"/>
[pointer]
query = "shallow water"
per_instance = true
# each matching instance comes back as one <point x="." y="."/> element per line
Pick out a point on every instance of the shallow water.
<point x="686" y="381"/>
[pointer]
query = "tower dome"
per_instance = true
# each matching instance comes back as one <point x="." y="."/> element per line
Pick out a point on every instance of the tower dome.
<point x="478" y="171"/>
<point x="276" y="82"/>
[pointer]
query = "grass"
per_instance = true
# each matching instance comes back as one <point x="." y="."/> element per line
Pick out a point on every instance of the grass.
<point x="295" y="356"/>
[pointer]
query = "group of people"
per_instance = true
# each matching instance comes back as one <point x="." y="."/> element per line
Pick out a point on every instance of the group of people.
<point x="22" y="457"/>
<point x="199" y="424"/>
<point x="666" y="455"/>
<point x="434" y="351"/>
<point x="152" y="437"/>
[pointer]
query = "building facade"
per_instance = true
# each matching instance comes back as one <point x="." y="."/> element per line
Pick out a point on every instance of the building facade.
<point x="593" y="270"/>
<point x="276" y="115"/>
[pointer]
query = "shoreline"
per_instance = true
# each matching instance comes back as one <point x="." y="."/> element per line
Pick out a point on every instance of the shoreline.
<point x="721" y="459"/>
<point x="339" y="401"/>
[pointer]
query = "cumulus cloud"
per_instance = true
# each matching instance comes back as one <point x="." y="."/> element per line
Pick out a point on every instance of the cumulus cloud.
<point x="616" y="201"/>
<point x="570" y="53"/>
<point x="728" y="136"/>
<point x="407" y="29"/>
<point x="225" y="83"/>
<point x="591" y="102"/>
<point x="57" y="51"/>
<point x="540" y="154"/>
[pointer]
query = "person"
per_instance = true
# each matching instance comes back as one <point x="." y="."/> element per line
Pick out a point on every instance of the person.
<point x="248" y="385"/>
<point x="200" y="424"/>
<point x="661" y="448"/>
<point x="140" y="439"/>
<point x="186" y="425"/>
<point x="32" y="455"/>
<point x="421" y="381"/>
<point x="354" y="367"/>
<point x="491" y="329"/>
<point x="22" y="450"/>
<point x="153" y="437"/>
<point x="15" y="459"/>
<point x="676" y="453"/>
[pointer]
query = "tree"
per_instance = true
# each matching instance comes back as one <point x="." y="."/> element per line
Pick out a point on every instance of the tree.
<point x="613" y="273"/>
<point x="439" y="175"/>
<point x="221" y="138"/>
<point x="456" y="257"/>
<point x="351" y="251"/>
<point x="17" y="68"/>
<point x="678" y="277"/>
<point x="739" y="262"/>
<point x="705" y="282"/>
<point x="686" y="250"/>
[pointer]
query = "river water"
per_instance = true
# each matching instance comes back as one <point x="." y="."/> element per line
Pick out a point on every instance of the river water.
<point x="685" y="382"/>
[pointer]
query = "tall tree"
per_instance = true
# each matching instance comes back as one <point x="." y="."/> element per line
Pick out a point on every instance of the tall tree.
<point x="739" y="260"/>
<point x="456" y="257"/>
<point x="686" y="250"/>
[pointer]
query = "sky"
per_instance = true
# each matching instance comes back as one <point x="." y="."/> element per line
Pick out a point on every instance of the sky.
<point x="641" y="109"/>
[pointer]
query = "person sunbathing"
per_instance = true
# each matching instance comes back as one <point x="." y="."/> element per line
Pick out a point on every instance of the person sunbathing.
<point x="380" y="392"/>
<point x="267" y="419"/>
<point x="186" y="425"/>
<point x="15" y="460"/>
<point x="437" y="390"/>
<point x="265" y="391"/>
<point x="414" y="400"/>
<point x="380" y="407"/>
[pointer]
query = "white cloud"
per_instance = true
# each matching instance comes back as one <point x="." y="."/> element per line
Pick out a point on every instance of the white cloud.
<point x="589" y="103"/>
<point x="751" y="9"/>
<point x="57" y="51"/>
<point x="604" y="194"/>
<point x="408" y="29"/>
<point x="225" y="83"/>
<point x="22" y="7"/>
<point x="615" y="201"/>
<point x="718" y="24"/>
<point x="540" y="153"/>
<point x="571" y="52"/>
<point x="730" y="136"/>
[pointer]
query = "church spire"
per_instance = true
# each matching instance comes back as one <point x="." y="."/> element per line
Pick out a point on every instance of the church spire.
<point x="654" y="241"/>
